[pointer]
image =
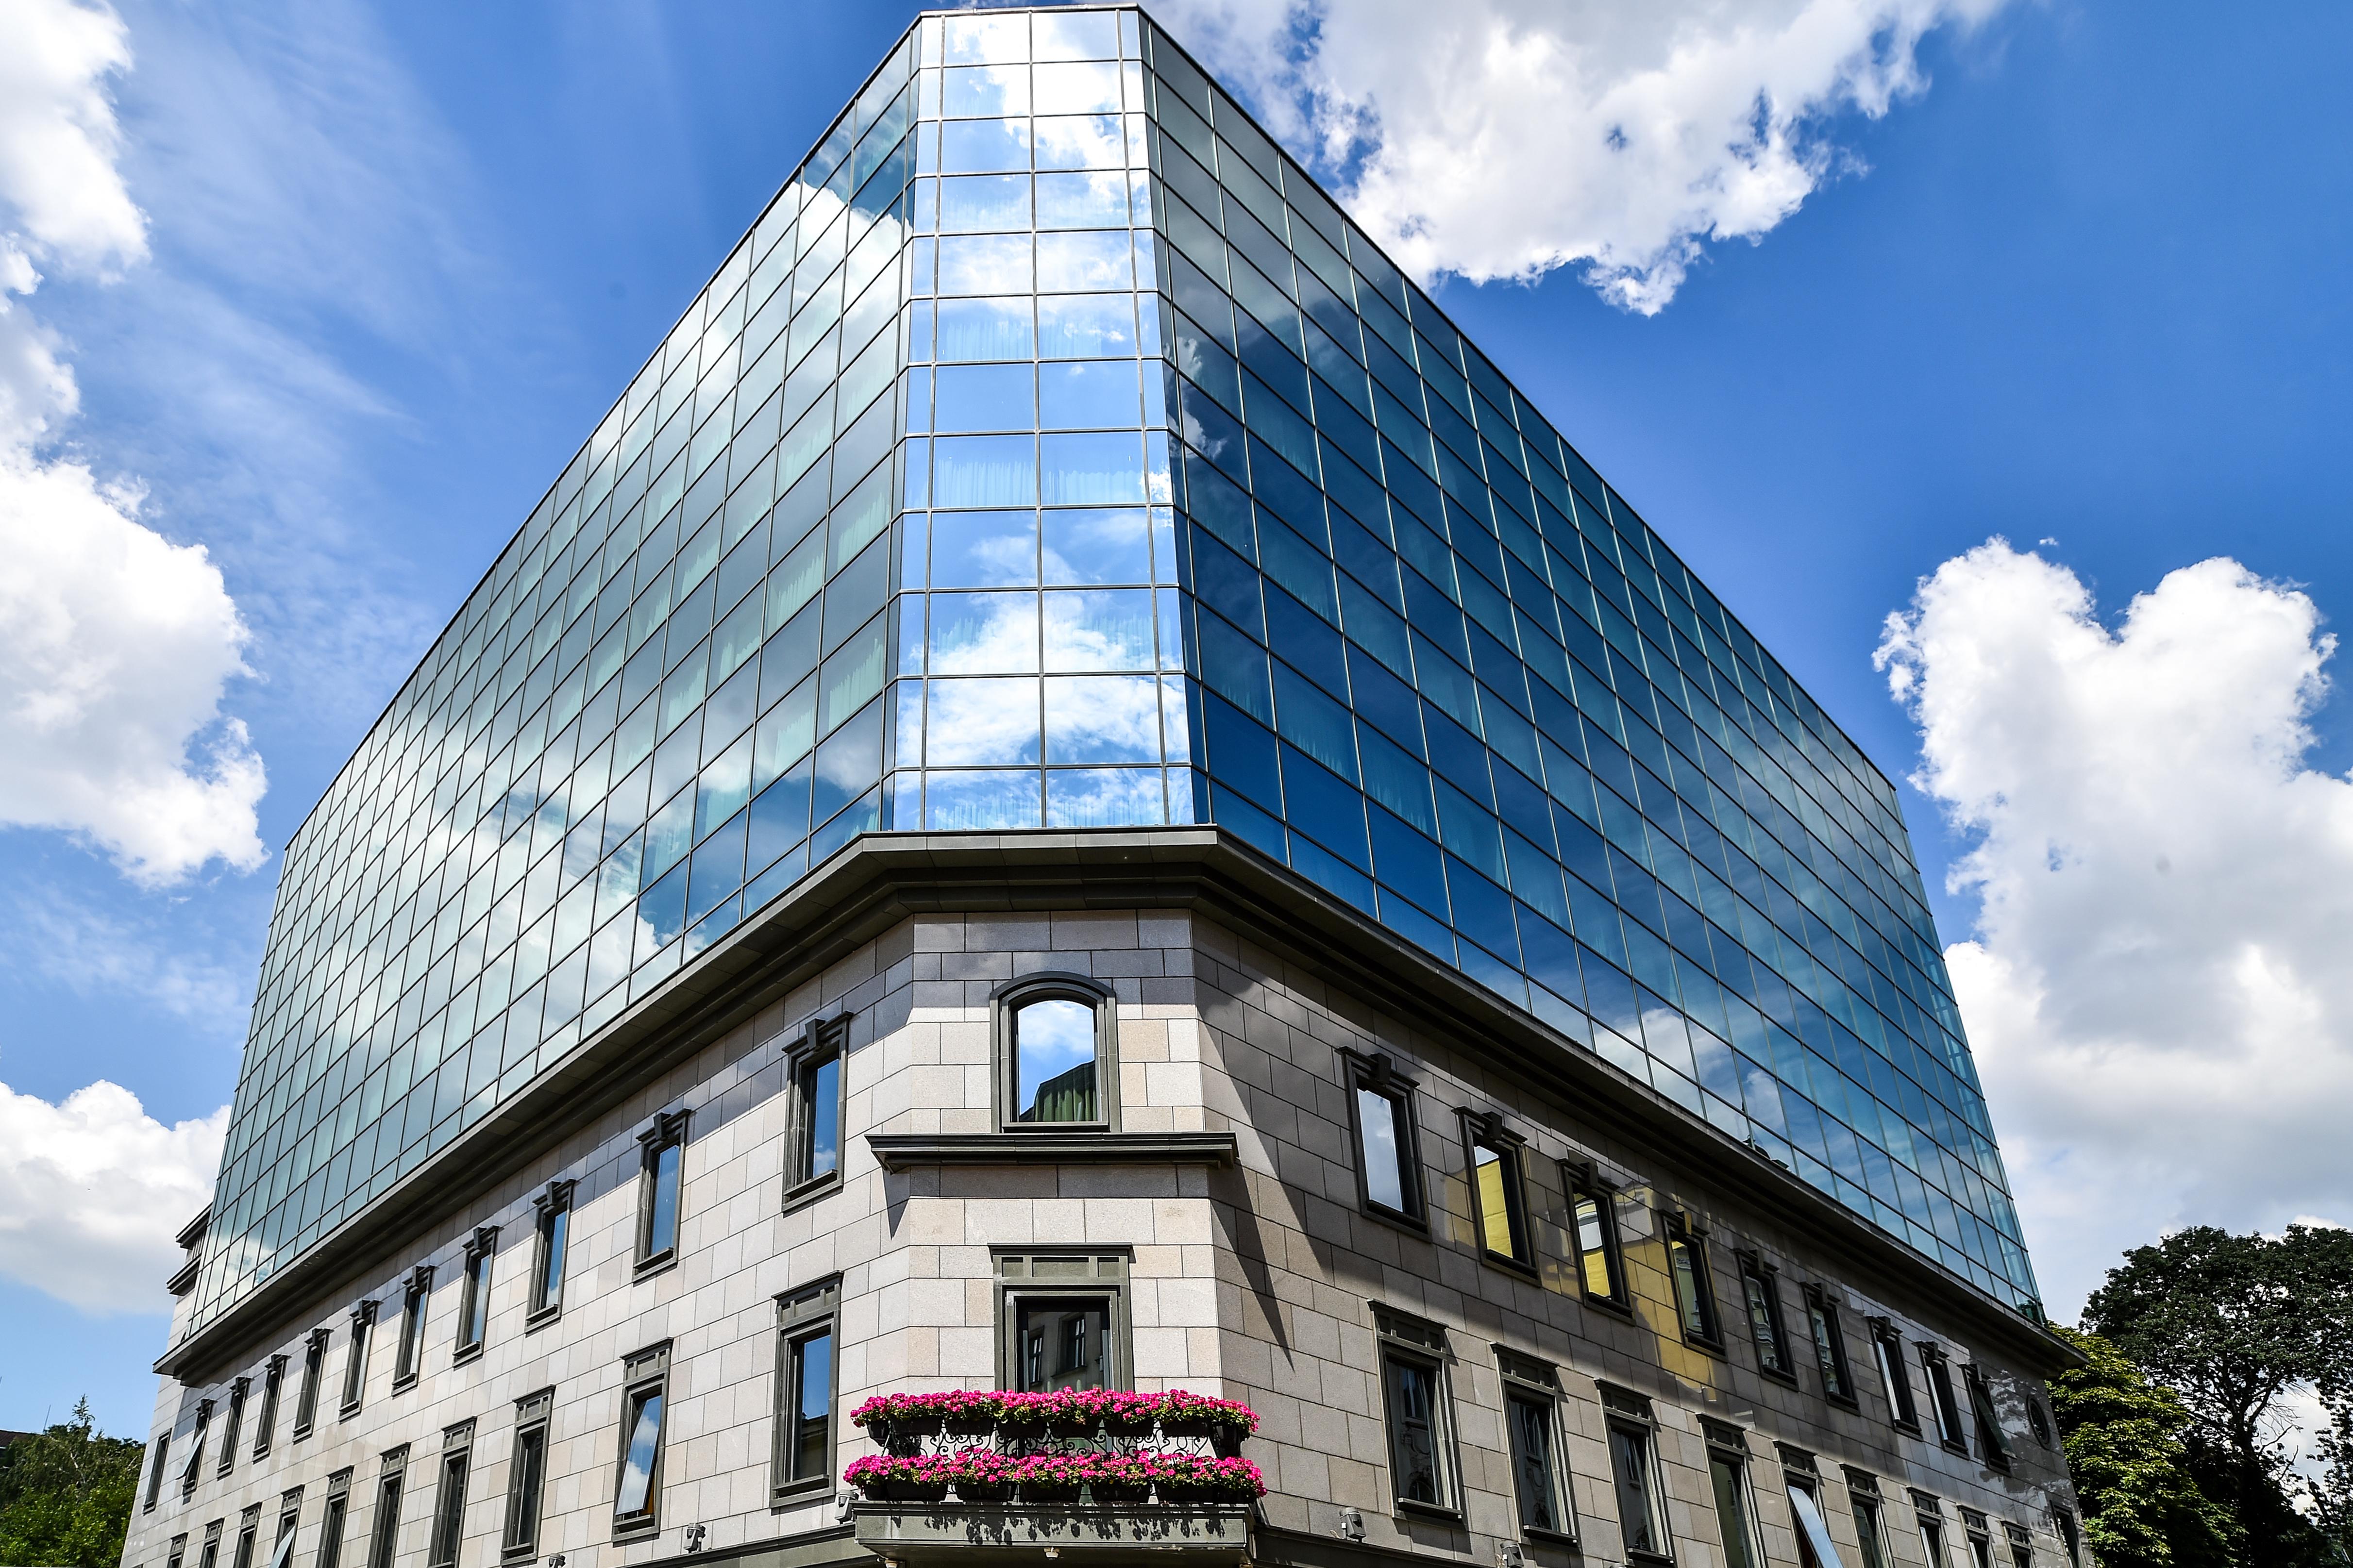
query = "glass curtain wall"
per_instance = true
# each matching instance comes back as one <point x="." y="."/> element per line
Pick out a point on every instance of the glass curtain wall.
<point x="972" y="494"/>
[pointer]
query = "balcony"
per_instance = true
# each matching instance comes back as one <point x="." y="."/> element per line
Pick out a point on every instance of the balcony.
<point x="1075" y="1476"/>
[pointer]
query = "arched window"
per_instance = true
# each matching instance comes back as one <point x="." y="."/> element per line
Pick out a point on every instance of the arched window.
<point x="1057" y="1066"/>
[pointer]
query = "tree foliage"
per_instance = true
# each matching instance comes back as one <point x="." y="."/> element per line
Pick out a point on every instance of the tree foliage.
<point x="2234" y="1326"/>
<point x="66" y="1495"/>
<point x="2142" y="1506"/>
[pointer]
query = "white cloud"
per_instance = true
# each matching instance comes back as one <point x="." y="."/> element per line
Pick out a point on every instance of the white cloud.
<point x="58" y="139"/>
<point x="116" y="644"/>
<point x="2157" y="989"/>
<point x="92" y="1192"/>
<point x="1501" y="139"/>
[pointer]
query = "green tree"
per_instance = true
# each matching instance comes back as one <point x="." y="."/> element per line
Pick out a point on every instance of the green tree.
<point x="2122" y="1433"/>
<point x="2233" y="1325"/>
<point x="66" y="1495"/>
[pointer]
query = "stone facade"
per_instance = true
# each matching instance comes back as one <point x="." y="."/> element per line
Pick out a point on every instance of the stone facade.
<point x="1255" y="1282"/>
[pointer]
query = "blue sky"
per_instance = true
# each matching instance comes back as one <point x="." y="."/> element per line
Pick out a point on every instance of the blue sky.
<point x="2085" y="288"/>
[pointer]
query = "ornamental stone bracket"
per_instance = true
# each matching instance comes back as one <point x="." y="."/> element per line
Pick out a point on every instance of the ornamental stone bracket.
<point x="940" y="1534"/>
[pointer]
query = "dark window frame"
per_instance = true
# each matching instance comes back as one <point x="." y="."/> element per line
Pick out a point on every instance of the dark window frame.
<point x="1402" y="1339"/>
<point x="1993" y="1444"/>
<point x="1584" y="1184"/>
<point x="667" y="1132"/>
<point x="177" y="1552"/>
<point x="1937" y="1366"/>
<point x="1977" y="1531"/>
<point x="2021" y="1543"/>
<point x="1726" y="1448"/>
<point x="1052" y="985"/>
<point x="333" y="1518"/>
<point x="1536" y="1384"/>
<point x="156" y="1466"/>
<point x="314" y="1378"/>
<point x="1929" y="1517"/>
<point x="192" y="1468"/>
<point x="1676" y="1230"/>
<point x="1894" y="1376"/>
<point x="1829" y="1337"/>
<point x="551" y="1248"/>
<point x="2069" y="1536"/>
<point x="208" y="1556"/>
<point x="1486" y="1131"/>
<point x="1760" y="1287"/>
<point x="526" y="1482"/>
<point x="355" y="1361"/>
<point x="474" y="1294"/>
<point x="289" y="1521"/>
<point x="1377" y="1075"/>
<point x="449" y="1486"/>
<point x="1870" y="1512"/>
<point x="274" y="1390"/>
<point x="408" y="1352"/>
<point x="823" y="1041"/>
<point x="391" y="1487"/>
<point x="1628" y="1421"/>
<point x="248" y="1536"/>
<point x="645" y="1376"/>
<point x="1031" y="1274"/>
<point x="233" y="1425"/>
<point x="803" y="1316"/>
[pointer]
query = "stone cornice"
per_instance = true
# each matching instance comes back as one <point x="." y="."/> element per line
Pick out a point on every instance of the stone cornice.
<point x="907" y="1151"/>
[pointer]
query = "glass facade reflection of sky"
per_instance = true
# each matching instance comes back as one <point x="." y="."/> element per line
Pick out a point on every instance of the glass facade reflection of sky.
<point x="1052" y="453"/>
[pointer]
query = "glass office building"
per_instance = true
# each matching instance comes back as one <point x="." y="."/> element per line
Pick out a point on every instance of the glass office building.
<point x="1053" y="454"/>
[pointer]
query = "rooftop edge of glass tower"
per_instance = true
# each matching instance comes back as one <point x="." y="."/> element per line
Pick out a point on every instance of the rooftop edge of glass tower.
<point x="1053" y="453"/>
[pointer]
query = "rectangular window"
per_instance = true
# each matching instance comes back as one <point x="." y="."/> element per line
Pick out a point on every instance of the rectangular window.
<point x="248" y="1537"/>
<point x="155" y="1471"/>
<point x="1929" y="1515"/>
<point x="1532" y="1425"/>
<point x="1946" y="1409"/>
<point x="1887" y="1346"/>
<point x="1870" y="1524"/>
<point x="637" y="1493"/>
<point x="384" y="1537"/>
<point x="331" y="1520"/>
<point x="273" y="1384"/>
<point x="1389" y="1161"/>
<point x="1634" y="1474"/>
<point x="314" y="1373"/>
<point x="233" y="1424"/>
<point x="1992" y="1445"/>
<point x="803" y="1460"/>
<point x="209" y="1556"/>
<point x="527" y="1475"/>
<point x="2068" y="1538"/>
<point x="1063" y="1320"/>
<point x="1593" y="1218"/>
<point x="474" y="1292"/>
<point x="450" y="1497"/>
<point x="1499" y="1191"/>
<point x="356" y="1359"/>
<point x="1695" y="1290"/>
<point x="289" y="1515"/>
<point x="1829" y="1347"/>
<point x="660" y="1175"/>
<point x="410" y="1357"/>
<point x="2021" y="1545"/>
<point x="1980" y="1537"/>
<point x="550" y="1233"/>
<point x="1736" y="1524"/>
<point x="1414" y="1356"/>
<point x="820" y="1102"/>
<point x="191" y="1471"/>
<point x="1056" y="1039"/>
<point x="1760" y="1292"/>
<point x="178" y="1553"/>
